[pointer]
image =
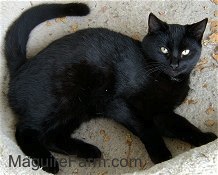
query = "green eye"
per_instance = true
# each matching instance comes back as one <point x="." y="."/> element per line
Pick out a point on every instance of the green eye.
<point x="164" y="50"/>
<point x="185" y="52"/>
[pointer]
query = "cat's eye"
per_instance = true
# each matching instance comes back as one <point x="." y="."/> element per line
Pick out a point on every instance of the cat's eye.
<point x="164" y="50"/>
<point x="185" y="52"/>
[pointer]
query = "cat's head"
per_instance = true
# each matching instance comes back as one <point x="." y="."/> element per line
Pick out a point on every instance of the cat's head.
<point x="171" y="48"/>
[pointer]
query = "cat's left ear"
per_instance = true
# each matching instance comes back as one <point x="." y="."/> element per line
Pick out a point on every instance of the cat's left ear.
<point x="197" y="29"/>
<point x="155" y="24"/>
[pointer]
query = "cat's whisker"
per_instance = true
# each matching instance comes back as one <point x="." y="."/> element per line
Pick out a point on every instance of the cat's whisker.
<point x="150" y="71"/>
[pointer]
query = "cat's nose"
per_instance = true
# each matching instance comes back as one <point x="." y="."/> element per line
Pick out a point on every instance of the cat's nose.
<point x="174" y="66"/>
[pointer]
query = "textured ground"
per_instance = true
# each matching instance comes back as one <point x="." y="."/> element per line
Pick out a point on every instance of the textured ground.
<point x="130" y="18"/>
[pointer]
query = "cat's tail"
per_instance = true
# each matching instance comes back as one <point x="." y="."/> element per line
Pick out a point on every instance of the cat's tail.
<point x="18" y="33"/>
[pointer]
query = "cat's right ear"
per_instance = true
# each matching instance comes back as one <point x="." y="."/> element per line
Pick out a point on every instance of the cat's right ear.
<point x="155" y="24"/>
<point x="197" y="29"/>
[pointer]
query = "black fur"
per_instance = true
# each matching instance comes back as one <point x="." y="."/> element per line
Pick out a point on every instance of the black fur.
<point x="100" y="73"/>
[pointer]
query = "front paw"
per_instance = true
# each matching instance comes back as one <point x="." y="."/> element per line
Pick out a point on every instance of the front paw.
<point x="160" y="156"/>
<point x="209" y="137"/>
<point x="205" y="138"/>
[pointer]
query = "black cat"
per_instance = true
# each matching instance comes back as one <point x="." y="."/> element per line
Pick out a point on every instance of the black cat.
<point x="100" y="73"/>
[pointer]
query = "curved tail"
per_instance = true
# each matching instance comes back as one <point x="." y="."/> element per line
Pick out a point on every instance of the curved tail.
<point x="18" y="33"/>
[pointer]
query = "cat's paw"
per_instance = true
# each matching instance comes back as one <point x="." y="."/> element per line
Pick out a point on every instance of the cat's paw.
<point x="89" y="151"/>
<point x="205" y="138"/>
<point x="51" y="169"/>
<point x="48" y="164"/>
<point x="160" y="156"/>
<point x="209" y="137"/>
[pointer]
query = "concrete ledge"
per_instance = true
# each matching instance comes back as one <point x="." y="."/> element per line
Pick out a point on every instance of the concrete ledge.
<point x="202" y="160"/>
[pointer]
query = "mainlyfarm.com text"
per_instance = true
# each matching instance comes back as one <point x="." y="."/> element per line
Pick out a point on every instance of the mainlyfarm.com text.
<point x="20" y="161"/>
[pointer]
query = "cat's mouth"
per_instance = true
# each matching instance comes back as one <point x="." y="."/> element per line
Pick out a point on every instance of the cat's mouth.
<point x="174" y="76"/>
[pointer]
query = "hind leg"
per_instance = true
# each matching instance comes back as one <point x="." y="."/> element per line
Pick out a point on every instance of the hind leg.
<point x="28" y="140"/>
<point x="59" y="141"/>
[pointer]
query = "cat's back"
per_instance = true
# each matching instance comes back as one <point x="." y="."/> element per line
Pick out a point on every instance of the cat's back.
<point x="95" y="45"/>
<point x="100" y="48"/>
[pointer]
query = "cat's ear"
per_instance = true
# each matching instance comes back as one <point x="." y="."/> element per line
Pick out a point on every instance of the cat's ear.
<point x="197" y="29"/>
<point x="155" y="24"/>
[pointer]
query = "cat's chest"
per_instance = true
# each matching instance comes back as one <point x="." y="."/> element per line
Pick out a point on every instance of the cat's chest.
<point x="163" y="88"/>
<point x="159" y="95"/>
<point x="167" y="92"/>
